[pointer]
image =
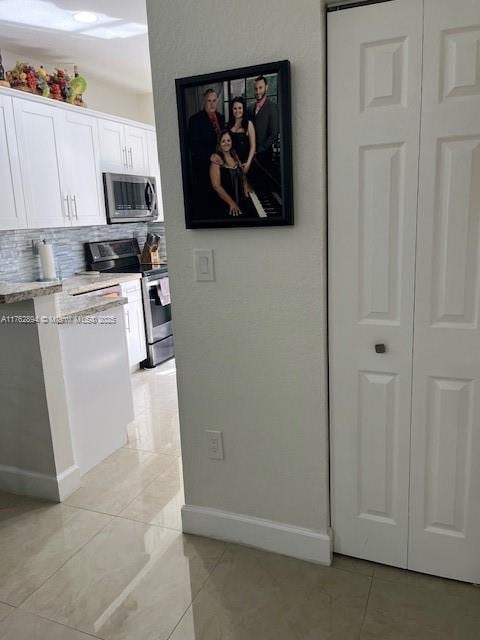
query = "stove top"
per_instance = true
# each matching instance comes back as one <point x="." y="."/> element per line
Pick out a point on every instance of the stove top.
<point x="120" y="256"/>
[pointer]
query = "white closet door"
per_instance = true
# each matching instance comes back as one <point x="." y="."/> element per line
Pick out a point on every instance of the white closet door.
<point x="445" y="482"/>
<point x="374" y="81"/>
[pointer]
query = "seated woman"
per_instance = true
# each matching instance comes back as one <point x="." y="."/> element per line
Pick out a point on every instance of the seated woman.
<point x="228" y="179"/>
<point x="243" y="133"/>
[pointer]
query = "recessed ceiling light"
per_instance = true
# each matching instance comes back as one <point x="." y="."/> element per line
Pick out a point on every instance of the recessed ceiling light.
<point x="86" y="17"/>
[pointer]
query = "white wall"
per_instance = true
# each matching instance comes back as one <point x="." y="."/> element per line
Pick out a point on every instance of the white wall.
<point x="101" y="95"/>
<point x="250" y="347"/>
<point x="146" y="112"/>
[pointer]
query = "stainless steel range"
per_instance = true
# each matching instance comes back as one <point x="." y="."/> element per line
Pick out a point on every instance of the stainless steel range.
<point x="123" y="256"/>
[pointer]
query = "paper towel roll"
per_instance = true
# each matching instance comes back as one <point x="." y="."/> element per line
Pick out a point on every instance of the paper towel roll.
<point x="47" y="261"/>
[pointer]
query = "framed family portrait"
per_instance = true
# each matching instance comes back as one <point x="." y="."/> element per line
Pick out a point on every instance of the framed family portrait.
<point x="236" y="147"/>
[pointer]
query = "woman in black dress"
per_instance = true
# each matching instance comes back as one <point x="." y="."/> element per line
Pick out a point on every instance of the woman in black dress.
<point x="243" y="133"/>
<point x="228" y="178"/>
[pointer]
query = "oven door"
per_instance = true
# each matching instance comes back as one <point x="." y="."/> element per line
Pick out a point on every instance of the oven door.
<point x="158" y="317"/>
<point x="130" y="198"/>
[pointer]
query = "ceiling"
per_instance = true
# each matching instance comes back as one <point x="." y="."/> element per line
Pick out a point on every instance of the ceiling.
<point x="114" y="48"/>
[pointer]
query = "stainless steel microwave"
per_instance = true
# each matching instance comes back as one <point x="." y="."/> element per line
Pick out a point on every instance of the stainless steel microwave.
<point x="130" y="198"/>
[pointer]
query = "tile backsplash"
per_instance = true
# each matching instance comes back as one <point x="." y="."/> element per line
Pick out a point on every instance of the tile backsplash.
<point x="17" y="261"/>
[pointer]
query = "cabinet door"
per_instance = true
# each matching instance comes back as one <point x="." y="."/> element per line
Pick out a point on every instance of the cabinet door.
<point x="136" y="141"/>
<point x="154" y="170"/>
<point x="12" y="211"/>
<point x="80" y="153"/>
<point x="127" y="310"/>
<point x="113" y="152"/>
<point x="38" y="146"/>
<point x="139" y="324"/>
<point x="135" y="332"/>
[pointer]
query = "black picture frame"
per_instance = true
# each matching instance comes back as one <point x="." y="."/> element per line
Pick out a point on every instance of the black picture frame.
<point x="268" y="181"/>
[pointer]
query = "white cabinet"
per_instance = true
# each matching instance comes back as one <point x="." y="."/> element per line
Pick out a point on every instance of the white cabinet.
<point x="60" y="166"/>
<point x="123" y="148"/>
<point x="81" y="168"/>
<point x="39" y="151"/>
<point x="12" y="211"/>
<point x="136" y="142"/>
<point x="154" y="170"/>
<point x="134" y="322"/>
<point x="112" y="145"/>
<point x="52" y="156"/>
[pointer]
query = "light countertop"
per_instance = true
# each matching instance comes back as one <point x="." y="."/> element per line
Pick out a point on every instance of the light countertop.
<point x="68" y="308"/>
<point x="83" y="284"/>
<point x="18" y="291"/>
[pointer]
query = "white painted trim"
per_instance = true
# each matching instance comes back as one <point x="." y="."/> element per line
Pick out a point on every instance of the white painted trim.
<point x="68" y="482"/>
<point x="39" y="485"/>
<point x="286" y="539"/>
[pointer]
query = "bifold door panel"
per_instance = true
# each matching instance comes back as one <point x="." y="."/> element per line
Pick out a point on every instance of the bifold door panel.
<point x="404" y="124"/>
<point x="374" y="86"/>
<point x="445" y="459"/>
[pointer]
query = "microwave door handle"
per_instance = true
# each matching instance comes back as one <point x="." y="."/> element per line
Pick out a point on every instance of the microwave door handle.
<point x="153" y="201"/>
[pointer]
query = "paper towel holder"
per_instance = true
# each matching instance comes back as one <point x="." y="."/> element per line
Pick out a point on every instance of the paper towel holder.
<point x="35" y="244"/>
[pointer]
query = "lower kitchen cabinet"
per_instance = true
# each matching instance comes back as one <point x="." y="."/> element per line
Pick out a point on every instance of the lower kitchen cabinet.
<point x="134" y="322"/>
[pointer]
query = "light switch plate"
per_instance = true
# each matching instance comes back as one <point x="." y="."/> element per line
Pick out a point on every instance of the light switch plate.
<point x="204" y="267"/>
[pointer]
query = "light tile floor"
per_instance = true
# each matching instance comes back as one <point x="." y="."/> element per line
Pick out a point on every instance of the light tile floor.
<point x="112" y="563"/>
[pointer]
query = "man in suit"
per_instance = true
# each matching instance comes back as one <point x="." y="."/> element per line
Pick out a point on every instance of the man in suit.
<point x="203" y="130"/>
<point x="264" y="115"/>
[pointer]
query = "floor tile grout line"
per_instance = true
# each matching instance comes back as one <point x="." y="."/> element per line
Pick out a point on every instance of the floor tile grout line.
<point x="160" y="453"/>
<point x="68" y="559"/>
<point x="7" y="604"/>
<point x="220" y="558"/>
<point x="366" y="607"/>
<point x="89" y="509"/>
<point x="149" y="524"/>
<point x="62" y="624"/>
<point x="141" y="491"/>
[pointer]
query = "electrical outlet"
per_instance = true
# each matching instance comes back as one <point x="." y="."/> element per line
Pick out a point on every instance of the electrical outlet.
<point x="214" y="444"/>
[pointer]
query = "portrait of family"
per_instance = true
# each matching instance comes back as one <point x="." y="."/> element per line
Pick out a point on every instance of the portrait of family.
<point x="236" y="145"/>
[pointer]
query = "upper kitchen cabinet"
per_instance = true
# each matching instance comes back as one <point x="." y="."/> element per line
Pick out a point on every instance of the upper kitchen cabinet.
<point x="12" y="211"/>
<point x="60" y="166"/>
<point x="80" y="153"/>
<point x="52" y="156"/>
<point x="155" y="170"/>
<point x="113" y="151"/>
<point x="36" y="126"/>
<point x="136" y="141"/>
<point x="123" y="148"/>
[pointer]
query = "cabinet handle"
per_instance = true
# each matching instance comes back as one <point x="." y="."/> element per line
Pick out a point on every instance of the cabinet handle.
<point x="127" y="318"/>
<point x="131" y="157"/>
<point x="74" y="199"/>
<point x="66" y="199"/>
<point x="125" y="161"/>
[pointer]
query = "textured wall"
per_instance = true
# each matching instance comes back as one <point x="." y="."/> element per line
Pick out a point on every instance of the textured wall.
<point x="251" y="346"/>
<point x="17" y="261"/>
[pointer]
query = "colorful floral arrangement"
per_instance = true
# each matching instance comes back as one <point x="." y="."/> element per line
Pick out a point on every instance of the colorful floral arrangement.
<point x="58" y="85"/>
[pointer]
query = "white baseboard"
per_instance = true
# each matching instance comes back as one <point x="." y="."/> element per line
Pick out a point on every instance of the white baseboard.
<point x="40" y="485"/>
<point x="286" y="539"/>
